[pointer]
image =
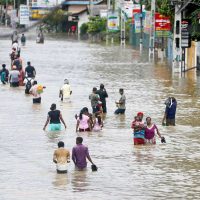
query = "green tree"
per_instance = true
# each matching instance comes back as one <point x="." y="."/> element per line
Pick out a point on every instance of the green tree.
<point x="96" y="25"/>
<point x="55" y="18"/>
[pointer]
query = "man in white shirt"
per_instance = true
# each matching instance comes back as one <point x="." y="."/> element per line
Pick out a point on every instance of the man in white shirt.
<point x="35" y="93"/>
<point x="14" y="77"/>
<point x="65" y="91"/>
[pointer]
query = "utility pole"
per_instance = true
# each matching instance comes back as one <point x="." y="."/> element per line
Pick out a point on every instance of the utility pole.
<point x="6" y="15"/>
<point x="152" y="31"/>
<point x="91" y="7"/>
<point x="141" y="28"/>
<point x="177" y="50"/>
<point x="123" y="28"/>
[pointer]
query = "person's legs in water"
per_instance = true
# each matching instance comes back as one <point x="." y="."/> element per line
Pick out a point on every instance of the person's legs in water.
<point x="138" y="141"/>
<point x="104" y="108"/>
<point x="15" y="84"/>
<point x="170" y="122"/>
<point x="119" y="111"/>
<point x="61" y="172"/>
<point x="54" y="127"/>
<point x="95" y="109"/>
<point x="37" y="100"/>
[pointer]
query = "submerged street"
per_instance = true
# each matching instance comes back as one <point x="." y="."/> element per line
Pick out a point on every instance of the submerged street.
<point x="125" y="171"/>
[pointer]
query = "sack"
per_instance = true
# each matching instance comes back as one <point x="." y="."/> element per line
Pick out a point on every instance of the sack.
<point x="3" y="76"/>
<point x="40" y="89"/>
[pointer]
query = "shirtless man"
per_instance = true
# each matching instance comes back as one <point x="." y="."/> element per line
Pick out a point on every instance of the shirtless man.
<point x="61" y="157"/>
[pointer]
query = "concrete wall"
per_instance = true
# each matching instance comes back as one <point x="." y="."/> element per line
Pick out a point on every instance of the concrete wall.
<point x="83" y="18"/>
<point x="191" y="56"/>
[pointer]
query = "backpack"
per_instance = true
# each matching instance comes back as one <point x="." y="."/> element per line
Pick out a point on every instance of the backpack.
<point x="3" y="76"/>
<point x="28" y="86"/>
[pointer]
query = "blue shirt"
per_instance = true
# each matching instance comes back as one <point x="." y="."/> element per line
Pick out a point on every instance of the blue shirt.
<point x="139" y="134"/>
<point x="171" y="111"/>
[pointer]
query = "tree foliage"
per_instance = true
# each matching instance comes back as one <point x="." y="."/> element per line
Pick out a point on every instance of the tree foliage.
<point x="3" y="2"/>
<point x="96" y="25"/>
<point x="195" y="24"/>
<point x="55" y="18"/>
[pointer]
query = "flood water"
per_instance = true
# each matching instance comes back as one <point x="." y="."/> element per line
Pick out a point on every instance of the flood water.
<point x="125" y="171"/>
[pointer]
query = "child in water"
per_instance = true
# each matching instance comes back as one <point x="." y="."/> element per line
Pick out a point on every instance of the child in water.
<point x="98" y="123"/>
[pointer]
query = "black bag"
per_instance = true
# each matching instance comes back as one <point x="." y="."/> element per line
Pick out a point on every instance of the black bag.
<point x="28" y="86"/>
<point x="163" y="140"/>
<point x="94" y="168"/>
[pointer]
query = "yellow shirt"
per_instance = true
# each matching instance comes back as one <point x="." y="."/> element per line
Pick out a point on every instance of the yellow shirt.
<point x="62" y="156"/>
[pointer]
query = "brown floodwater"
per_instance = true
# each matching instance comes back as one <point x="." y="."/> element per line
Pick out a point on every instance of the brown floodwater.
<point x="125" y="171"/>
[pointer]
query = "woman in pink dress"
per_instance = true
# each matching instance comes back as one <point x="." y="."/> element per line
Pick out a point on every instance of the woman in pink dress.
<point x="150" y="132"/>
<point x="83" y="122"/>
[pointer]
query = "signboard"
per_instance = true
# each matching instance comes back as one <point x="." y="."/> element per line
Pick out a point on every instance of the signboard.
<point x="13" y="18"/>
<point x="147" y="22"/>
<point x="162" y="25"/>
<point x="103" y="13"/>
<point x="24" y="14"/>
<point x="113" y="22"/>
<point x="185" y="35"/>
<point x="137" y="22"/>
<point x="45" y="3"/>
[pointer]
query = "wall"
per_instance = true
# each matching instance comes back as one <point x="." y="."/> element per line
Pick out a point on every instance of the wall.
<point x="191" y="56"/>
<point x="83" y="18"/>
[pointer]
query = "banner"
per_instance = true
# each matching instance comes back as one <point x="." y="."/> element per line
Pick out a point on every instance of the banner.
<point x="185" y="34"/>
<point x="137" y="22"/>
<point x="147" y="22"/>
<point x="113" y="22"/>
<point x="45" y="3"/>
<point x="162" y="25"/>
<point x="24" y="14"/>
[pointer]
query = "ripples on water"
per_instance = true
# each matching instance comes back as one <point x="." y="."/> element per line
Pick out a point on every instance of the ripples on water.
<point x="125" y="172"/>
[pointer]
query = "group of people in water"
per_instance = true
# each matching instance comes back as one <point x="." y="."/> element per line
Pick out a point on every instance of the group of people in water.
<point x="143" y="132"/>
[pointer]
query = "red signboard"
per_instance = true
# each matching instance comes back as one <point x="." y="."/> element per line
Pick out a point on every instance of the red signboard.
<point x="162" y="23"/>
<point x="134" y="12"/>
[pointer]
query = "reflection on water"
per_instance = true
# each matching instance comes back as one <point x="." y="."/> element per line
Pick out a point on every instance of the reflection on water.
<point x="61" y="180"/>
<point x="124" y="171"/>
<point x="79" y="181"/>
